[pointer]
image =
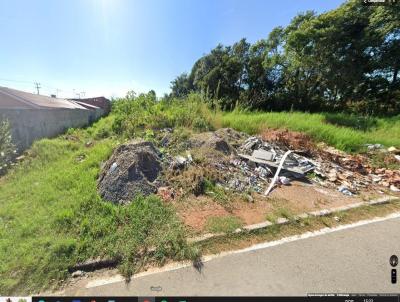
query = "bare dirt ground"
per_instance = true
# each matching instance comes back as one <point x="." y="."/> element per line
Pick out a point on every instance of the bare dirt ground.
<point x="297" y="198"/>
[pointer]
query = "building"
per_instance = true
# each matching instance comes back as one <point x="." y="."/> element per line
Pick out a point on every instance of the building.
<point x="34" y="116"/>
<point x="100" y="102"/>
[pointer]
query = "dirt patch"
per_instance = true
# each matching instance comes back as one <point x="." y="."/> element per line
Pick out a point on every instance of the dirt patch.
<point x="290" y="139"/>
<point x="297" y="198"/>
<point x="195" y="212"/>
<point x="304" y="197"/>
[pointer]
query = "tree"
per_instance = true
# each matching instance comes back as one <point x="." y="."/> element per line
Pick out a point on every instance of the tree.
<point x="344" y="59"/>
<point x="181" y="86"/>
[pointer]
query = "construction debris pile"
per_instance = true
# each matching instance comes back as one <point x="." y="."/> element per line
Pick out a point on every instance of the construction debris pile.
<point x="234" y="161"/>
<point x="355" y="172"/>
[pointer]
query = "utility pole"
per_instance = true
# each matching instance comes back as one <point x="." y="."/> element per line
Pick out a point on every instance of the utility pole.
<point x="37" y="85"/>
<point x="58" y="91"/>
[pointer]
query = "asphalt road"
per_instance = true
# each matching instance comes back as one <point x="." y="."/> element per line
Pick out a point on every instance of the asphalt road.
<point x="350" y="260"/>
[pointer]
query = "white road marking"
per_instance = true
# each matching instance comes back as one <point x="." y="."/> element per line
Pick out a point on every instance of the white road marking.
<point x="179" y="265"/>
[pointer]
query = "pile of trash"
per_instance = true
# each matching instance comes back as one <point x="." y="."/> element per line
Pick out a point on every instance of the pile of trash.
<point x="352" y="173"/>
<point x="235" y="161"/>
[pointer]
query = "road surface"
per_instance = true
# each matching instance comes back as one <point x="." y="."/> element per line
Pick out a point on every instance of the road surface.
<point x="354" y="259"/>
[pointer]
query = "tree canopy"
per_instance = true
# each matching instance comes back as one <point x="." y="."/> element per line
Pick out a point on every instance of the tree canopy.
<point x="345" y="59"/>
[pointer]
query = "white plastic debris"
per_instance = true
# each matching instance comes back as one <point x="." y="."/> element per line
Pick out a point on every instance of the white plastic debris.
<point x="394" y="188"/>
<point x="180" y="160"/>
<point x="113" y="167"/>
<point x="284" y="180"/>
<point x="277" y="173"/>
<point x="397" y="157"/>
<point x="345" y="191"/>
<point x="372" y="147"/>
<point x="263" y="172"/>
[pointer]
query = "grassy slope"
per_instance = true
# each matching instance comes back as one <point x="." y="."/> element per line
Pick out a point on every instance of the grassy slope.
<point x="37" y="203"/>
<point x="52" y="217"/>
<point x="321" y="127"/>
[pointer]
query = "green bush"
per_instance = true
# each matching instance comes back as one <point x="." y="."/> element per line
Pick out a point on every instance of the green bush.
<point x="7" y="148"/>
<point x="134" y="115"/>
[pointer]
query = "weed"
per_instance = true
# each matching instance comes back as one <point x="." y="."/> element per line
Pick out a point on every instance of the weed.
<point x="225" y="224"/>
<point x="279" y="213"/>
<point x="216" y="192"/>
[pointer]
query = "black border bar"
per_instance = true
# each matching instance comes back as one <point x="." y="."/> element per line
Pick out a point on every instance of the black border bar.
<point x="310" y="298"/>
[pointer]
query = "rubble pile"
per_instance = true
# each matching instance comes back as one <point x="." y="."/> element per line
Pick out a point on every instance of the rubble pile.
<point x="236" y="162"/>
<point x="354" y="172"/>
<point x="132" y="169"/>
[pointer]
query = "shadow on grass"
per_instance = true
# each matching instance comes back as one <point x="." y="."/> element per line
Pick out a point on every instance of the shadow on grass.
<point x="356" y="122"/>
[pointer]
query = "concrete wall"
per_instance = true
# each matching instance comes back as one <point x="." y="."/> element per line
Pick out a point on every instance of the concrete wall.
<point x="28" y="125"/>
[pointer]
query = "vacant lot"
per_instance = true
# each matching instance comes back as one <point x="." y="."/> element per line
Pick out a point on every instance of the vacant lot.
<point x="51" y="216"/>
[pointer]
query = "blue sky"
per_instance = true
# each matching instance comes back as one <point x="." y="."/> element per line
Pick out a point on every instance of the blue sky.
<point x="107" y="47"/>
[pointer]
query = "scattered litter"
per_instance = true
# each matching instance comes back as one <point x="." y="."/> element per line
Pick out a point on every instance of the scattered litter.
<point x="113" y="167"/>
<point x="372" y="147"/>
<point x="376" y="178"/>
<point x="77" y="274"/>
<point x="394" y="188"/>
<point x="345" y="191"/>
<point x="166" y="193"/>
<point x="180" y="162"/>
<point x="238" y="162"/>
<point x="263" y="172"/>
<point x="284" y="180"/>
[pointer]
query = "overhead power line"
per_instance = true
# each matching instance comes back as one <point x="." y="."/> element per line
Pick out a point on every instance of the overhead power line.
<point x="39" y="86"/>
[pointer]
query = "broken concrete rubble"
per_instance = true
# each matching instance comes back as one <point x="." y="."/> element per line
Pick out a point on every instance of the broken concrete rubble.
<point x="270" y="155"/>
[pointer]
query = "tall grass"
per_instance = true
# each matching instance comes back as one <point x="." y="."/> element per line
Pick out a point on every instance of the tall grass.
<point x="51" y="216"/>
<point x="133" y="116"/>
<point x="340" y="130"/>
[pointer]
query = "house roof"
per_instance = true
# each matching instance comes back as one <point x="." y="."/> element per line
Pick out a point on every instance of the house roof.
<point x="16" y="99"/>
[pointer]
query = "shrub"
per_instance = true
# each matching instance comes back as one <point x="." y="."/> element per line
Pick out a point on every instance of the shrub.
<point x="7" y="148"/>
<point x="135" y="115"/>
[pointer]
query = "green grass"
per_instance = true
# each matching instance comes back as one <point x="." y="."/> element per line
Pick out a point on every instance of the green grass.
<point x="345" y="132"/>
<point x="225" y="224"/>
<point x="281" y="212"/>
<point x="216" y="192"/>
<point x="52" y="217"/>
